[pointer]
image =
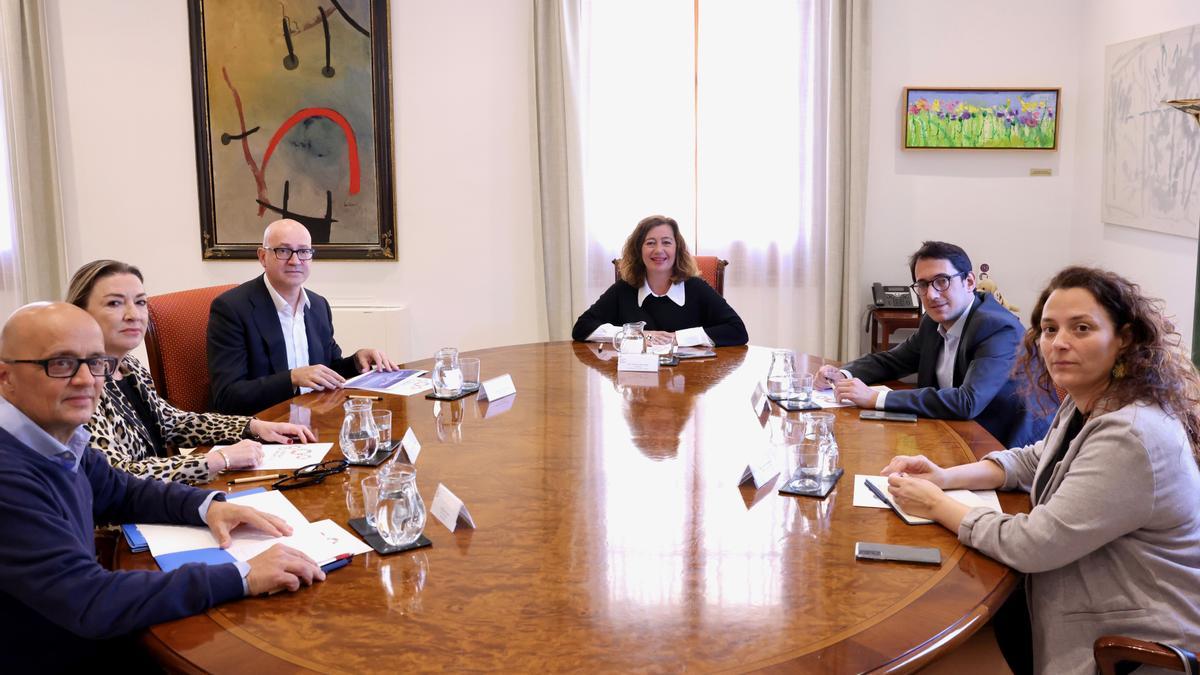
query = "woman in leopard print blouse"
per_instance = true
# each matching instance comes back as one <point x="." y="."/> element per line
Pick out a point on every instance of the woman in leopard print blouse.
<point x="132" y="424"/>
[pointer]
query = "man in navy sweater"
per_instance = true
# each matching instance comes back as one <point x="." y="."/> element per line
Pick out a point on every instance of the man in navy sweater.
<point x="58" y="606"/>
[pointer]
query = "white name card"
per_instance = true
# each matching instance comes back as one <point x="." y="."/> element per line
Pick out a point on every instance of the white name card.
<point x="758" y="400"/>
<point x="410" y="447"/>
<point x="641" y="363"/>
<point x="497" y="387"/>
<point x="494" y="408"/>
<point x="449" y="509"/>
<point x="760" y="470"/>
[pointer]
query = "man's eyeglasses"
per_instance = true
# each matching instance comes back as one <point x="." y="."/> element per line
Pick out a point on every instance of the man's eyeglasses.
<point x="311" y="474"/>
<point x="65" y="367"/>
<point x="285" y="253"/>
<point x="940" y="283"/>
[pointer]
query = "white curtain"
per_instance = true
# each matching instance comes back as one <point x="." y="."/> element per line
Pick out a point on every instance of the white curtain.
<point x="32" y="259"/>
<point x="729" y="117"/>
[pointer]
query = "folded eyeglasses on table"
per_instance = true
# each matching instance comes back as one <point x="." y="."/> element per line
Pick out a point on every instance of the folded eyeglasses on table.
<point x="311" y="474"/>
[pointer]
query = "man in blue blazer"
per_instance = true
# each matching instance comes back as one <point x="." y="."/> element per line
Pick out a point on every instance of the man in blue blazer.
<point x="271" y="338"/>
<point x="963" y="354"/>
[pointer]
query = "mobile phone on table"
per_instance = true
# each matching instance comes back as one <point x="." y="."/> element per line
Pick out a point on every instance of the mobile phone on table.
<point x="915" y="554"/>
<point x="887" y="416"/>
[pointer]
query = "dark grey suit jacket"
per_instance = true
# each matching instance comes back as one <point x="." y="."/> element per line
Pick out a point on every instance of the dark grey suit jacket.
<point x="985" y="388"/>
<point x="247" y="359"/>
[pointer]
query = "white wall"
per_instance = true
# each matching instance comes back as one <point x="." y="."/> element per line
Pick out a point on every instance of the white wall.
<point x="1164" y="264"/>
<point x="465" y="163"/>
<point x="983" y="200"/>
<point x="1025" y="227"/>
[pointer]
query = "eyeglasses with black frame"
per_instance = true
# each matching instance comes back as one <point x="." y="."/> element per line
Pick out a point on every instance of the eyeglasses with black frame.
<point x="940" y="283"/>
<point x="311" y="474"/>
<point x="284" y="253"/>
<point x="65" y="367"/>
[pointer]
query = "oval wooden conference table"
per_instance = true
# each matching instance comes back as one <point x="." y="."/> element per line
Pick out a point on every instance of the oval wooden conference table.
<point x="612" y="535"/>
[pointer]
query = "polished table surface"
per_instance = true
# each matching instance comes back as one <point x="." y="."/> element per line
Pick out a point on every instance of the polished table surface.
<point x="612" y="535"/>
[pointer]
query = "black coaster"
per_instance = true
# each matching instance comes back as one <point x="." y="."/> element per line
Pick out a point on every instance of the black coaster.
<point x="668" y="360"/>
<point x="794" y="405"/>
<point x="371" y="536"/>
<point x="379" y="457"/>
<point x="467" y="391"/>
<point x="821" y="489"/>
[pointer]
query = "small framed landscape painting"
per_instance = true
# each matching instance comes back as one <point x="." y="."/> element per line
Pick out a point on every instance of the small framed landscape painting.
<point x="981" y="119"/>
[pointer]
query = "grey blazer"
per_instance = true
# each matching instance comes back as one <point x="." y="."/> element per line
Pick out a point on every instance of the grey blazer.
<point x="1113" y="545"/>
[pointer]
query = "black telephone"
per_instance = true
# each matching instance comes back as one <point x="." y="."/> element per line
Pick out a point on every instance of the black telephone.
<point x="892" y="297"/>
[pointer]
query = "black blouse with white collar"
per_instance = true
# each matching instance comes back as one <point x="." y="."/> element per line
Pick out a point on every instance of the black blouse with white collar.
<point x="702" y="308"/>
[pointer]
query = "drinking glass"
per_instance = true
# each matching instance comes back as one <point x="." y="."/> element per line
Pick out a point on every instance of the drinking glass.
<point x="470" y="372"/>
<point x="400" y="513"/>
<point x="383" y="424"/>
<point x="665" y="347"/>
<point x="779" y="377"/>
<point x="802" y="386"/>
<point x="447" y="376"/>
<point x="358" y="438"/>
<point x="370" y="492"/>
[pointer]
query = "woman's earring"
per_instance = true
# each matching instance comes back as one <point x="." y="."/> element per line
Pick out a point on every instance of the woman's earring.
<point x="1118" y="370"/>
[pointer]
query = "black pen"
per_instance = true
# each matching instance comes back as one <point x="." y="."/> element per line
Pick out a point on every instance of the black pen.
<point x="879" y="493"/>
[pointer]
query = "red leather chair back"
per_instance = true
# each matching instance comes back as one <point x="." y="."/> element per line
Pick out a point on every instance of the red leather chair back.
<point x="712" y="270"/>
<point x="176" y="344"/>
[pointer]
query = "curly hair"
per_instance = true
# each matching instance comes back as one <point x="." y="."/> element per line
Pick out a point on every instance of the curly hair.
<point x="1156" y="369"/>
<point x="631" y="267"/>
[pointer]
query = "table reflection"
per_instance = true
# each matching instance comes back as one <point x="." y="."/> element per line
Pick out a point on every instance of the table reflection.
<point x="402" y="578"/>
<point x="448" y="416"/>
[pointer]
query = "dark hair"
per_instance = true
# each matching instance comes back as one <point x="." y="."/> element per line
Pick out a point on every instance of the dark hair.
<point x="85" y="278"/>
<point x="940" y="250"/>
<point x="1155" y="367"/>
<point x="631" y="267"/>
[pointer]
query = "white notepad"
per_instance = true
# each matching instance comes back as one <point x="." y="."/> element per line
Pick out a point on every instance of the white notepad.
<point x="865" y="498"/>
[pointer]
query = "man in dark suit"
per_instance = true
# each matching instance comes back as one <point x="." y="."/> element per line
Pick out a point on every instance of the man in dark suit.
<point x="271" y="338"/>
<point x="963" y="354"/>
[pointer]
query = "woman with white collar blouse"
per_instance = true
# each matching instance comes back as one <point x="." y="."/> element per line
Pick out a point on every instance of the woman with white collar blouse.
<point x="659" y="285"/>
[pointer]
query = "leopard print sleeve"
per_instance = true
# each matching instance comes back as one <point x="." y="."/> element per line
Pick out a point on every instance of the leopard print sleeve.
<point x="184" y="429"/>
<point x="118" y="433"/>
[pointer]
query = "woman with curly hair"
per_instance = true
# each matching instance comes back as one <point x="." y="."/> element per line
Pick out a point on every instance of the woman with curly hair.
<point x="132" y="424"/>
<point x="659" y="286"/>
<point x="1112" y="542"/>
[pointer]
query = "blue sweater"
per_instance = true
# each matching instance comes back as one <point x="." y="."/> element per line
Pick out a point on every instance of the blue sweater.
<point x="56" y="601"/>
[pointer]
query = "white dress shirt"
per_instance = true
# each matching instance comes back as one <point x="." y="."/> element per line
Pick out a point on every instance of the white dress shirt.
<point x="945" y="365"/>
<point x="295" y="338"/>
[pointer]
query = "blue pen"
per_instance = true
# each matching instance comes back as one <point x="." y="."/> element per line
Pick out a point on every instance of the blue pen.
<point x="337" y="563"/>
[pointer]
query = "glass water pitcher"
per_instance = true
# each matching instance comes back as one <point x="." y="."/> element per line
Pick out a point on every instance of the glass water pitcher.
<point x="359" y="436"/>
<point x="400" y="515"/>
<point x="631" y="339"/>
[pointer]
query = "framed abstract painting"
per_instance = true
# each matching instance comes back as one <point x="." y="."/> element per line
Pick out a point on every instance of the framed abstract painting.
<point x="293" y="120"/>
<point x="981" y="119"/>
